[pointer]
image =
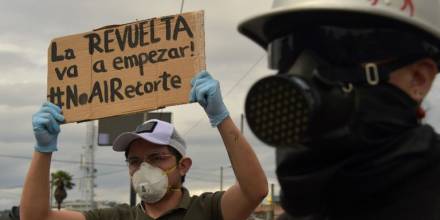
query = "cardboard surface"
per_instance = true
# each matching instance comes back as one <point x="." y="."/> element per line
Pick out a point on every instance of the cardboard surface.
<point x="115" y="70"/>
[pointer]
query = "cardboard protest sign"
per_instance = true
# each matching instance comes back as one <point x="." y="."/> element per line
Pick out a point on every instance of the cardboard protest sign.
<point x="127" y="68"/>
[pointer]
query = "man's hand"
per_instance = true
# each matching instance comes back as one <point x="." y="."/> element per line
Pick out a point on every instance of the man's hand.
<point x="206" y="91"/>
<point x="46" y="126"/>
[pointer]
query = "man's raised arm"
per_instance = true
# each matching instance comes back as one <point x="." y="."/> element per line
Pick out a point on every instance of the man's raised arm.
<point x="34" y="202"/>
<point x="241" y="199"/>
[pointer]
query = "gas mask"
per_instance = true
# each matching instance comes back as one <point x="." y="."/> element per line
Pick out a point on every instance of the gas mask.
<point x="325" y="91"/>
<point x="150" y="182"/>
<point x="287" y="108"/>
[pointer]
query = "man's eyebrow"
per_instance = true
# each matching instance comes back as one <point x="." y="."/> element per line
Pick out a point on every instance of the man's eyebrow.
<point x="154" y="153"/>
<point x="158" y="152"/>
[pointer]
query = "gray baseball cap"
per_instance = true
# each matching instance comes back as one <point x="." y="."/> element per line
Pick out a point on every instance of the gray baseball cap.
<point x="154" y="131"/>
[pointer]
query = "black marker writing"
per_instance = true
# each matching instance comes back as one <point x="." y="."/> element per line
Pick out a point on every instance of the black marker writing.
<point x="112" y="90"/>
<point x="138" y="34"/>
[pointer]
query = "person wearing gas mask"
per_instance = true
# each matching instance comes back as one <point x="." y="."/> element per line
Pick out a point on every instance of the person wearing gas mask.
<point x="157" y="163"/>
<point x="344" y="110"/>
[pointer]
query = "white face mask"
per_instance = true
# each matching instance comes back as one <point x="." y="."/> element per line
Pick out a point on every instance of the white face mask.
<point x="150" y="182"/>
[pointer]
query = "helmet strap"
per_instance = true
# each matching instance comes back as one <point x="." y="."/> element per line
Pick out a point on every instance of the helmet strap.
<point x="370" y="73"/>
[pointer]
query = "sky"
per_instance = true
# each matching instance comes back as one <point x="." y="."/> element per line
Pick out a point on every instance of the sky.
<point x="29" y="25"/>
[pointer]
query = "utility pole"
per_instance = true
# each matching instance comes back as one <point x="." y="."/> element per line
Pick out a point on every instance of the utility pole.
<point x="221" y="178"/>
<point x="272" y="204"/>
<point x="270" y="214"/>
<point x="51" y="191"/>
<point x="132" y="196"/>
<point x="242" y="123"/>
<point x="222" y="168"/>
<point x="88" y="166"/>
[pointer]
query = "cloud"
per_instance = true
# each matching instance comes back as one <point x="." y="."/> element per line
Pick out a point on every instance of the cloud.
<point x="17" y="126"/>
<point x="12" y="60"/>
<point x="16" y="95"/>
<point x="17" y="67"/>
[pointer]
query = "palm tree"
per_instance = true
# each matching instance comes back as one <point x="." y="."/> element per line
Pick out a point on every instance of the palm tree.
<point x="61" y="180"/>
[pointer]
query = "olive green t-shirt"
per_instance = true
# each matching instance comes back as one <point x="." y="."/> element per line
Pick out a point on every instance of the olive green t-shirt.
<point x="203" y="207"/>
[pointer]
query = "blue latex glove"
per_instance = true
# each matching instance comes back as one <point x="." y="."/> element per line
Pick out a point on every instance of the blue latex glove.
<point x="206" y="91"/>
<point x="46" y="126"/>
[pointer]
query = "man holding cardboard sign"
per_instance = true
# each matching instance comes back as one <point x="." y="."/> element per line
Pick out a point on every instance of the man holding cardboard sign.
<point x="141" y="66"/>
<point x="157" y="164"/>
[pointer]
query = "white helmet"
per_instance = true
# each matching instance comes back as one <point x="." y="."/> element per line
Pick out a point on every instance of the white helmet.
<point x="288" y="15"/>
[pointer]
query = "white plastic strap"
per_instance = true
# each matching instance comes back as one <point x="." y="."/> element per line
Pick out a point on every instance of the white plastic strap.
<point x="372" y="73"/>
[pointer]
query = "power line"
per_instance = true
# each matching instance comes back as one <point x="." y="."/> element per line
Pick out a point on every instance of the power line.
<point x="244" y="76"/>
<point x="60" y="161"/>
<point x="212" y="169"/>
<point x="207" y="170"/>
<point x="11" y="187"/>
<point x="201" y="179"/>
<point x="11" y="196"/>
<point x="197" y="172"/>
<point x="181" y="6"/>
<point x="229" y="91"/>
<point x="76" y="178"/>
<point x="102" y="174"/>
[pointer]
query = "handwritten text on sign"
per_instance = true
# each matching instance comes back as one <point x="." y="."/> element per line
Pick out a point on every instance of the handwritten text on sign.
<point x="127" y="68"/>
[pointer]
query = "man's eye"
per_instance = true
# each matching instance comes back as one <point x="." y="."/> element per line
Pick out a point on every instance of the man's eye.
<point x="156" y="158"/>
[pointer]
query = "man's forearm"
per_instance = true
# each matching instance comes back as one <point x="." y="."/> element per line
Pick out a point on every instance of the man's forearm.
<point x="245" y="164"/>
<point x="34" y="202"/>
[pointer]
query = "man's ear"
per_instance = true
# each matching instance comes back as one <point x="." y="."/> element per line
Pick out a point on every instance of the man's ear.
<point x="423" y="74"/>
<point x="185" y="164"/>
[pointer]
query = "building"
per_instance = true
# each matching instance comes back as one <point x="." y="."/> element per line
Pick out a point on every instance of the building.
<point x="81" y="205"/>
<point x="268" y="211"/>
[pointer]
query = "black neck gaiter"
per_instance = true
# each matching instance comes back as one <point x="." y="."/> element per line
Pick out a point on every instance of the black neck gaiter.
<point x="386" y="144"/>
<point x="382" y="113"/>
